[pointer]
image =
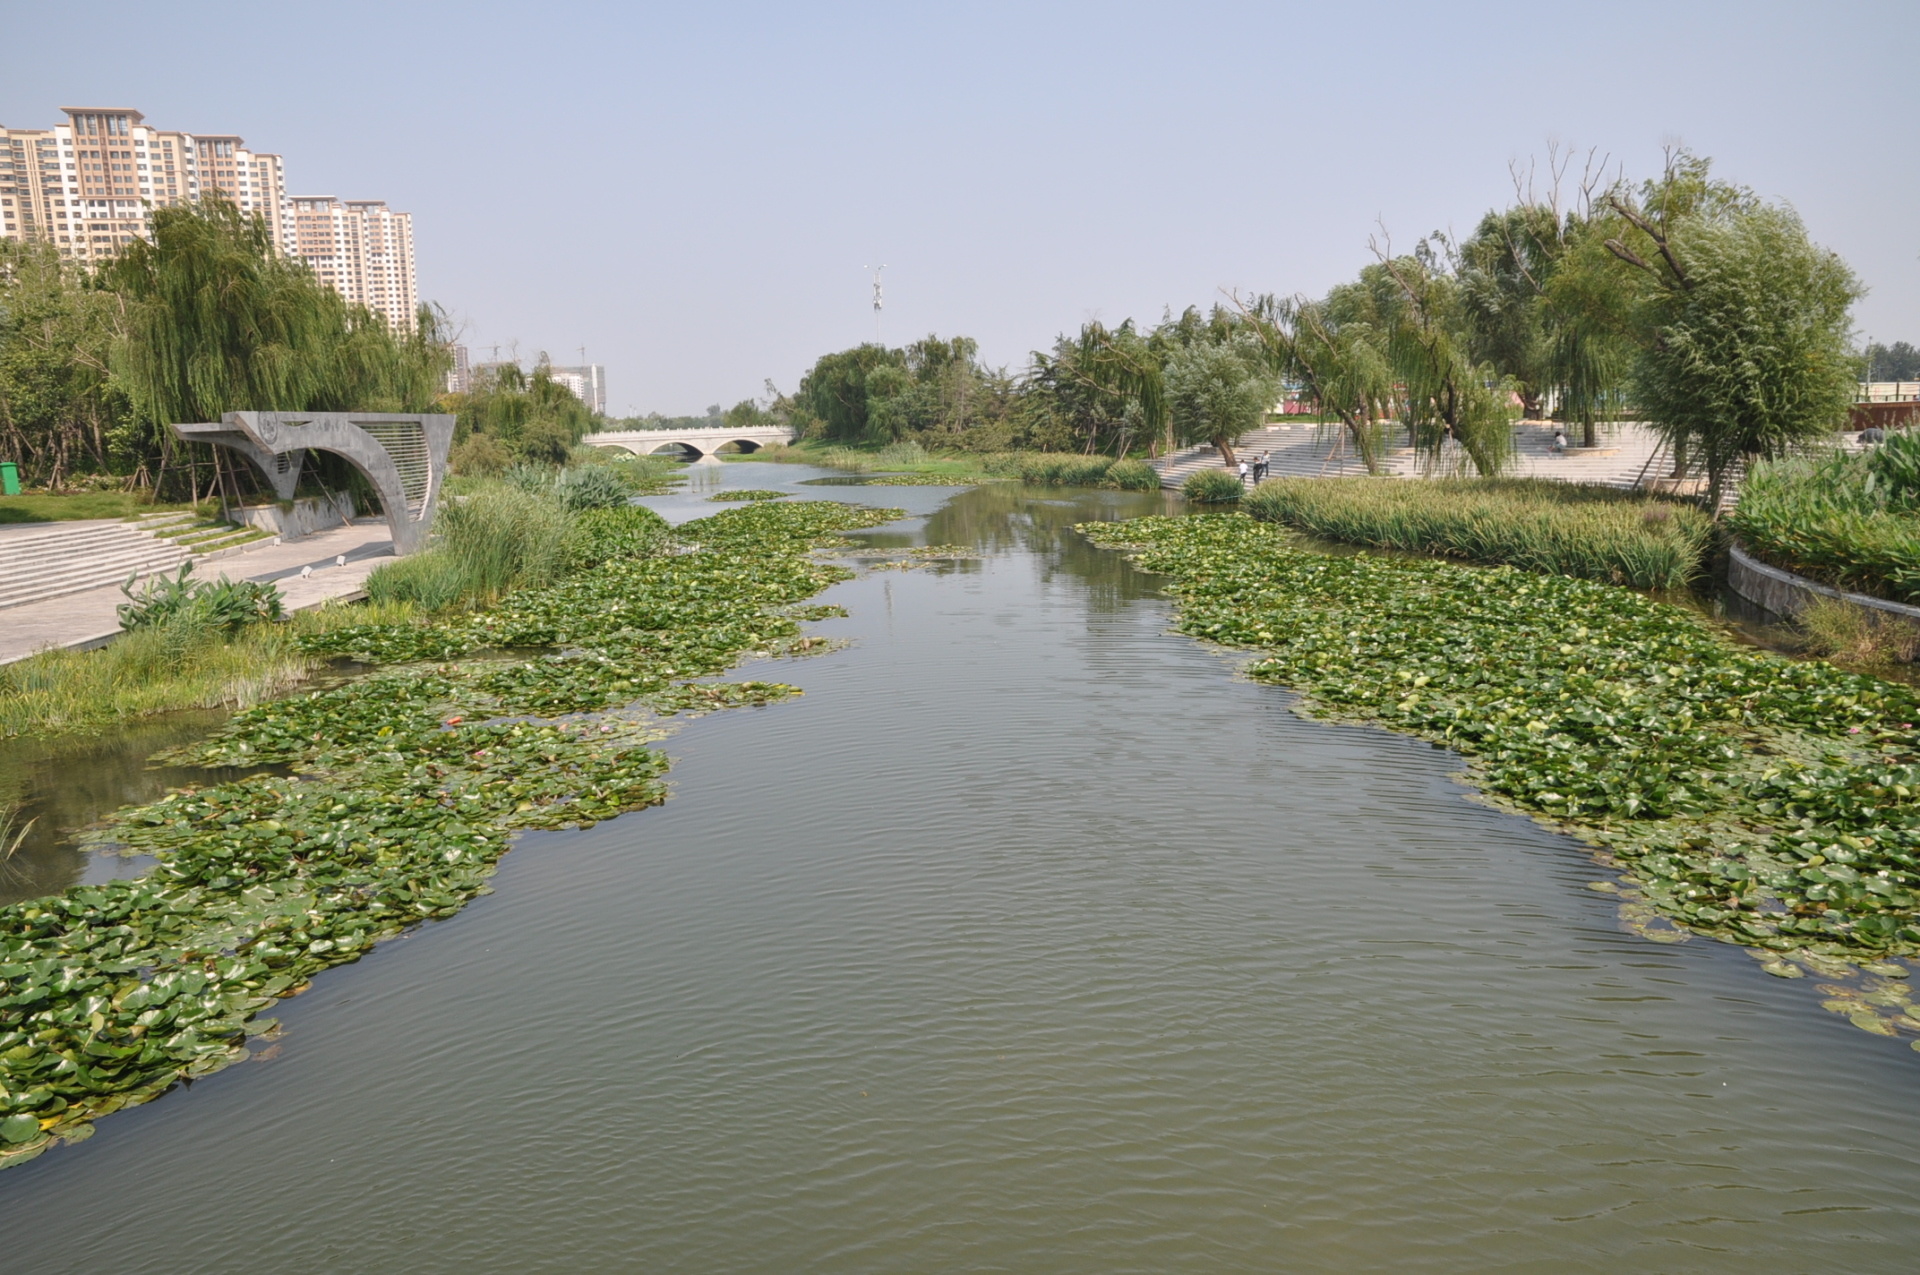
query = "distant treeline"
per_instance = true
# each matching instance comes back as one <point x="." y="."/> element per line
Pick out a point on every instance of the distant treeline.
<point x="1685" y="300"/>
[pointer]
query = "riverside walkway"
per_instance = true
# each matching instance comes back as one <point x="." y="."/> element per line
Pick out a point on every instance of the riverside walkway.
<point x="1316" y="451"/>
<point x="88" y="618"/>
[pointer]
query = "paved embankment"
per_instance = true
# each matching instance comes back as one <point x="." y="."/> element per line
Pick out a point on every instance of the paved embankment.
<point x="87" y="617"/>
<point x="1317" y="451"/>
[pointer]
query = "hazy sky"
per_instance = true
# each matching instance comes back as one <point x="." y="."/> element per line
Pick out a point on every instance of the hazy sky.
<point x="691" y="191"/>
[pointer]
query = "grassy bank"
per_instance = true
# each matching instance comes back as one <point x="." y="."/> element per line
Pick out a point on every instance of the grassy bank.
<point x="1764" y="802"/>
<point x="40" y="506"/>
<point x="1595" y="533"/>
<point x="914" y="465"/>
<point x="166" y="669"/>
<point x="493" y="538"/>
<point x="405" y="787"/>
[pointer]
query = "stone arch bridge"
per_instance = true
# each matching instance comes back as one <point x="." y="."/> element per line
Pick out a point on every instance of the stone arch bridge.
<point x="702" y="441"/>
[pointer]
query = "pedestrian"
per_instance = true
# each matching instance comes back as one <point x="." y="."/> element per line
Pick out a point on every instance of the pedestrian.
<point x="1243" y="473"/>
<point x="1559" y="440"/>
<point x="1260" y="468"/>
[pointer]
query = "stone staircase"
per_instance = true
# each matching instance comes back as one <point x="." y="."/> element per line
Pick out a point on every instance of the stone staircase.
<point x="1626" y="454"/>
<point x="44" y="560"/>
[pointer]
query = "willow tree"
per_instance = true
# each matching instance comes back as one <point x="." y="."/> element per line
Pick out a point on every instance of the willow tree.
<point x="1217" y="390"/>
<point x="212" y="320"/>
<point x="1743" y="321"/>
<point x="1336" y="357"/>
<point x="1107" y="386"/>
<point x="1446" y="397"/>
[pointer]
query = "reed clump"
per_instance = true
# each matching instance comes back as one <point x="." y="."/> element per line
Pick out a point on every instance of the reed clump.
<point x="1847" y="633"/>
<point x="1213" y="487"/>
<point x="499" y="537"/>
<point x="1594" y="533"/>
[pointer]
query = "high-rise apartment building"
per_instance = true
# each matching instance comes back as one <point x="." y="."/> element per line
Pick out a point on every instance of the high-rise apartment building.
<point x="360" y="247"/>
<point x="588" y="383"/>
<point x="89" y="186"/>
<point x="460" y="375"/>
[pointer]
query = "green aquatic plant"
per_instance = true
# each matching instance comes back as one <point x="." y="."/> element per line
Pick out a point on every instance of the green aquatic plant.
<point x="748" y="493"/>
<point x="1213" y="487"/>
<point x="1763" y="801"/>
<point x="1595" y="532"/>
<point x="392" y="799"/>
<point x="499" y="537"/>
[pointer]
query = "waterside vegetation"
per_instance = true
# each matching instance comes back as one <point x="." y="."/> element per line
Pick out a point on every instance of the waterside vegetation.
<point x="1850" y="521"/>
<point x="395" y="795"/>
<point x="1595" y="533"/>
<point x="1765" y="802"/>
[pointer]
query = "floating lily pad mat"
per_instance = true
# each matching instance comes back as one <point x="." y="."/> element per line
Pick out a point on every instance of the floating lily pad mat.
<point x="1747" y="797"/>
<point x="406" y="786"/>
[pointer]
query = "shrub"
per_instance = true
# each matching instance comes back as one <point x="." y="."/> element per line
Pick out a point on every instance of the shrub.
<point x="1056" y="469"/>
<point x="1213" y="487"/>
<point x="1134" y="475"/>
<point x="1595" y="533"/>
<point x="591" y="487"/>
<point x="479" y="456"/>
<point x="215" y="605"/>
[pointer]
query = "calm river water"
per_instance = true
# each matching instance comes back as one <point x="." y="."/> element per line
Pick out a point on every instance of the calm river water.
<point x="1031" y="939"/>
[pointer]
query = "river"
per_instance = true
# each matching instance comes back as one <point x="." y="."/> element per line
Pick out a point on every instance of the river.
<point x="1030" y="939"/>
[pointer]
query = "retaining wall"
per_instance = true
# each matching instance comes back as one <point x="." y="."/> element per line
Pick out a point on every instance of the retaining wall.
<point x="1786" y="594"/>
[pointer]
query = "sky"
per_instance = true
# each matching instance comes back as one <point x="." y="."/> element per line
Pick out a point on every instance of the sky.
<point x="694" y="193"/>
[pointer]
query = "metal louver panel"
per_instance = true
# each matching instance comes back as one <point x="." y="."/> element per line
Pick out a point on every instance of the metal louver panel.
<point x="406" y="443"/>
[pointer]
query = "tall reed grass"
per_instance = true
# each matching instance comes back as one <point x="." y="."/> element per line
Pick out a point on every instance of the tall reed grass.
<point x="499" y="537"/>
<point x="1592" y="532"/>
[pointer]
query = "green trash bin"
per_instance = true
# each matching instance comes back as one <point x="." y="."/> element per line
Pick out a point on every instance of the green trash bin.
<point x="9" y="478"/>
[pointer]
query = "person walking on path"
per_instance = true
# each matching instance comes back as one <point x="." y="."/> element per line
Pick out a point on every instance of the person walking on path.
<point x="1260" y="468"/>
<point x="1243" y="473"/>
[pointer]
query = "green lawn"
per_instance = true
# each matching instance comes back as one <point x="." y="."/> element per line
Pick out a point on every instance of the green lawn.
<point x="39" y="506"/>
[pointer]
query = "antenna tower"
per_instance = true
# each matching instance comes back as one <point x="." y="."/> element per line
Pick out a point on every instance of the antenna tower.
<point x="877" y="299"/>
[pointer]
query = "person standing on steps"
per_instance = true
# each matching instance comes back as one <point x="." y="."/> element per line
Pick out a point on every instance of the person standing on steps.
<point x="1243" y="473"/>
<point x="1260" y="468"/>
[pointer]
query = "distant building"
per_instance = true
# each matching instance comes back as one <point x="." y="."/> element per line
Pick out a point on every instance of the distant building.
<point x="460" y="375"/>
<point x="89" y="187"/>
<point x="361" y="248"/>
<point x="589" y="384"/>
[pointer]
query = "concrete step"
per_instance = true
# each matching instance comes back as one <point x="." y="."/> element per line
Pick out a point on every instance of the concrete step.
<point x="18" y="592"/>
<point x="41" y="561"/>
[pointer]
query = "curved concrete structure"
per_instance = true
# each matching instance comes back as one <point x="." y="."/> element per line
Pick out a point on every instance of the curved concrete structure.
<point x="403" y="456"/>
<point x="701" y="442"/>
<point x="1786" y="594"/>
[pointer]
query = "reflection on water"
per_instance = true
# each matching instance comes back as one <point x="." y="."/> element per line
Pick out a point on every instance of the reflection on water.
<point x="66" y="786"/>
<point x="1029" y="939"/>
